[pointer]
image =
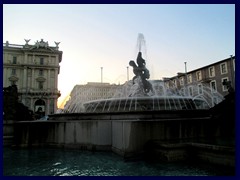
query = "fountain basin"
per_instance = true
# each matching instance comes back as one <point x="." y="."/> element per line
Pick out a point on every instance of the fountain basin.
<point x="153" y="103"/>
<point x="125" y="133"/>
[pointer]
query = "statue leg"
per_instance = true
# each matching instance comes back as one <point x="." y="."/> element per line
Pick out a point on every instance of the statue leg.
<point x="134" y="79"/>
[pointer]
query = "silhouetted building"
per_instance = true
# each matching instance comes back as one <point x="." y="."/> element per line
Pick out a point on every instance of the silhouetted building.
<point x="88" y="92"/>
<point x="209" y="81"/>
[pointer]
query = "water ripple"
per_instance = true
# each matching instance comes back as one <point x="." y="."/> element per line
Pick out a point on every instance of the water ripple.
<point x="55" y="162"/>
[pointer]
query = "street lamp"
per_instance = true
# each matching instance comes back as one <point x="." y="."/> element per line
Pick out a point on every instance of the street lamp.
<point x="101" y="74"/>
<point x="185" y="67"/>
<point x="233" y="70"/>
<point x="186" y="90"/>
<point x="127" y="73"/>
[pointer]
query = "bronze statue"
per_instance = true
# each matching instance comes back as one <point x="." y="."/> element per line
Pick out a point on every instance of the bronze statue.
<point x="142" y="72"/>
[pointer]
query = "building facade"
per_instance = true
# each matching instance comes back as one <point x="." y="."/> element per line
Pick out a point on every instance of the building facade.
<point x="34" y="69"/>
<point x="209" y="82"/>
<point x="89" y="92"/>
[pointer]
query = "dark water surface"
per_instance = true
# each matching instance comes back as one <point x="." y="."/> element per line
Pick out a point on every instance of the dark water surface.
<point x="58" y="162"/>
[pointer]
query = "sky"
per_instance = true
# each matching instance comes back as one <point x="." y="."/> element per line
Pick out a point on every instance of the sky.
<point x="104" y="35"/>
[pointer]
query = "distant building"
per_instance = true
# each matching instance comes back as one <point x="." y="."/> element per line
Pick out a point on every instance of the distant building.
<point x="34" y="69"/>
<point x="208" y="79"/>
<point x="88" y="92"/>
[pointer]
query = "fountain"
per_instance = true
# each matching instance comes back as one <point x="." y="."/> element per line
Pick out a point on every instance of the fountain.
<point x="141" y="111"/>
<point x="143" y="95"/>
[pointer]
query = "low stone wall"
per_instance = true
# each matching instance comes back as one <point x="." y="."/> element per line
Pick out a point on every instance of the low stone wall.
<point x="126" y="134"/>
<point x="8" y="132"/>
<point x="197" y="152"/>
<point x="213" y="154"/>
<point x="85" y="135"/>
<point x="129" y="137"/>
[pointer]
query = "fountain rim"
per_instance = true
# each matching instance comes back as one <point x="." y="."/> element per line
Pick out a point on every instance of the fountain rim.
<point x="137" y="115"/>
<point x="142" y="98"/>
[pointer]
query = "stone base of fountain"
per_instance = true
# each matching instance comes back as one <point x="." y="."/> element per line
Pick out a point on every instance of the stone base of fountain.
<point x="125" y="133"/>
<point x="190" y="151"/>
<point x="153" y="103"/>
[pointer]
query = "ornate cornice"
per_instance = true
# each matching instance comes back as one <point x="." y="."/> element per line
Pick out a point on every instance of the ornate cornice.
<point x="52" y="94"/>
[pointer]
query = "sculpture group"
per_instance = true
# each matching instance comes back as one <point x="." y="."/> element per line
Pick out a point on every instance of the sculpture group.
<point x="142" y="74"/>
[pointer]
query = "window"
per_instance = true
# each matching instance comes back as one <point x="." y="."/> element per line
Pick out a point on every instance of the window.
<point x="189" y="78"/>
<point x="40" y="85"/>
<point x="13" y="71"/>
<point x="181" y="81"/>
<point x="174" y="83"/>
<point x="14" y="60"/>
<point x="190" y="91"/>
<point x="213" y="86"/>
<point x="200" y="89"/>
<point x="40" y="72"/>
<point x="211" y="72"/>
<point x="224" y="87"/>
<point x="199" y="75"/>
<point x="41" y="61"/>
<point x="182" y="92"/>
<point x="223" y="68"/>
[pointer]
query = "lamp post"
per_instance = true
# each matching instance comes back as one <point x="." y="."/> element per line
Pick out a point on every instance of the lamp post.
<point x="233" y="70"/>
<point x="186" y="90"/>
<point x="185" y="67"/>
<point x="127" y="73"/>
<point x="101" y="74"/>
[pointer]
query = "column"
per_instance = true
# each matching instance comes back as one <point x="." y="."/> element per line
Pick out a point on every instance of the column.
<point x="25" y="61"/>
<point x="55" y="105"/>
<point x="32" y="84"/>
<point x="49" y="80"/>
<point x="56" y="79"/>
<point x="33" y="59"/>
<point x="47" y="107"/>
<point x="25" y="78"/>
<point x="53" y="109"/>
<point x="32" y="105"/>
<point x="5" y="82"/>
<point x="56" y="61"/>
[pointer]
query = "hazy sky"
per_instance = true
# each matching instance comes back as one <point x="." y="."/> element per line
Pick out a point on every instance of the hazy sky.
<point x="95" y="36"/>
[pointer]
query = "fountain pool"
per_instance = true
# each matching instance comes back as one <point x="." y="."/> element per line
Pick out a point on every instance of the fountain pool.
<point x="144" y="104"/>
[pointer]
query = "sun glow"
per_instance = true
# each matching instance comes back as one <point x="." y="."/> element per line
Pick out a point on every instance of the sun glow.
<point x="62" y="101"/>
